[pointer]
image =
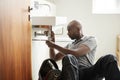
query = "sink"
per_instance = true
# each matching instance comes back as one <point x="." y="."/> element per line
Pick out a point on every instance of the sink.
<point x="48" y="20"/>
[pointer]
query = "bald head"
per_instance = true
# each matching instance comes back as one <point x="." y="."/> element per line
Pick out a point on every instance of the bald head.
<point x="74" y="23"/>
<point x="74" y="29"/>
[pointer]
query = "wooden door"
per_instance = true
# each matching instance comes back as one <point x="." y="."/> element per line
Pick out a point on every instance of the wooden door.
<point x="118" y="49"/>
<point x="15" y="40"/>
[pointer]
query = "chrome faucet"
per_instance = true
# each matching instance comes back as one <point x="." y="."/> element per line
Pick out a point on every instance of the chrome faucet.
<point x="37" y="5"/>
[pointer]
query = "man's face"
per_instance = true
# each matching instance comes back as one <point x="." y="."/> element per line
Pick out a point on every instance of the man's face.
<point x="73" y="32"/>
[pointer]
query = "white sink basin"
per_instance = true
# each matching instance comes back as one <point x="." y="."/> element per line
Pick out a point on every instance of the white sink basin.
<point x="48" y="20"/>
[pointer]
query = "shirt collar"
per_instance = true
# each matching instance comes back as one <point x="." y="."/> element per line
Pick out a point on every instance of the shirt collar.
<point x="76" y="41"/>
<point x="83" y="38"/>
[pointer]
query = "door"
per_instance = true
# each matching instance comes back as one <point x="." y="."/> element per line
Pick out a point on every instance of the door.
<point x="15" y="40"/>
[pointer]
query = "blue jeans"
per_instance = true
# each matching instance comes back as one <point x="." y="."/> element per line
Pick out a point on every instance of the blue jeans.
<point x="106" y="67"/>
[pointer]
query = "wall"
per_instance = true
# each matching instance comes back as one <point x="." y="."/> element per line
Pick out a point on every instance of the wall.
<point x="39" y="53"/>
<point x="104" y="27"/>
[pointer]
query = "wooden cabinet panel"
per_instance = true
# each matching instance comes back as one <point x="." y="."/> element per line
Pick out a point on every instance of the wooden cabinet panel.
<point x="15" y="40"/>
<point x="118" y="49"/>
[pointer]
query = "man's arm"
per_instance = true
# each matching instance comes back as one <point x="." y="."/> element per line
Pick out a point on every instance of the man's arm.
<point x="52" y="54"/>
<point x="82" y="50"/>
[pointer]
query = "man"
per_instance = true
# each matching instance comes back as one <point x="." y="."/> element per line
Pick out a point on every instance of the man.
<point x="77" y="57"/>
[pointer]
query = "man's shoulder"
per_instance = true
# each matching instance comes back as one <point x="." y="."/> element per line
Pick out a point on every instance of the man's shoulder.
<point x="89" y="38"/>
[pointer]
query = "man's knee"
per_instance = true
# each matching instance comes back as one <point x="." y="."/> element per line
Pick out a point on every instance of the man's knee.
<point x="109" y="58"/>
<point x="105" y="60"/>
<point x="70" y="60"/>
<point x="68" y="56"/>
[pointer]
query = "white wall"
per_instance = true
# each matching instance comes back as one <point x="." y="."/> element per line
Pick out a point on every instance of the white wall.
<point x="104" y="27"/>
<point x="39" y="53"/>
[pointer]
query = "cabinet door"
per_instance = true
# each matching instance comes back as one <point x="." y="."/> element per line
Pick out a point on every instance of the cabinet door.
<point x="118" y="49"/>
<point x="15" y="40"/>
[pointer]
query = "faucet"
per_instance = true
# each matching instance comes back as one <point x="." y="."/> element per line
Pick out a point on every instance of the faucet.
<point x="36" y="5"/>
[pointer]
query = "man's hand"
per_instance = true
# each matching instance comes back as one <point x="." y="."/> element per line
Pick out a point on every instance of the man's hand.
<point x="52" y="35"/>
<point x="50" y="44"/>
